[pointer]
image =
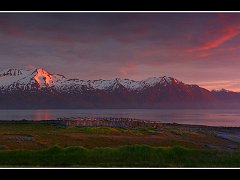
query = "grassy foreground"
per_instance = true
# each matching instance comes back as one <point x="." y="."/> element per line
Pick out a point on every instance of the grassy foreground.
<point x="46" y="145"/>
<point x="126" y="156"/>
<point x="28" y="136"/>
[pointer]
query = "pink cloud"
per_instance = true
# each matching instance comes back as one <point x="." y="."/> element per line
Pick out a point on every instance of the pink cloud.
<point x="226" y="34"/>
<point x="204" y="54"/>
<point x="232" y="85"/>
<point x="128" y="69"/>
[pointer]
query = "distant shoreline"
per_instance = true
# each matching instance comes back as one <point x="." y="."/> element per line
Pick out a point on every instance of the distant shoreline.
<point x="118" y="123"/>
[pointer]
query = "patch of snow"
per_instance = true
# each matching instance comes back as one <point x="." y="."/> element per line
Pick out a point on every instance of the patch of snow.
<point x="15" y="78"/>
<point x="152" y="81"/>
<point x="130" y="84"/>
<point x="12" y="76"/>
<point x="221" y="90"/>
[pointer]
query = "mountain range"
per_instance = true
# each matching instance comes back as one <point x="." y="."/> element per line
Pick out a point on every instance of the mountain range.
<point x="37" y="88"/>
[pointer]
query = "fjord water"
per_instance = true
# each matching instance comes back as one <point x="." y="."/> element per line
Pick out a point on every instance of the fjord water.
<point x="212" y="117"/>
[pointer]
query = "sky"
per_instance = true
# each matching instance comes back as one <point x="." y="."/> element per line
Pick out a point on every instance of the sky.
<point x="196" y="48"/>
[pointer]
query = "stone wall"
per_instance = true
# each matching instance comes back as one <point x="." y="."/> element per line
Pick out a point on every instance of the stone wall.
<point x="94" y="122"/>
<point x="110" y="122"/>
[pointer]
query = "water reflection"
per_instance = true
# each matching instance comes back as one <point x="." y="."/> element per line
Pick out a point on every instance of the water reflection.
<point x="216" y="117"/>
<point x="42" y="115"/>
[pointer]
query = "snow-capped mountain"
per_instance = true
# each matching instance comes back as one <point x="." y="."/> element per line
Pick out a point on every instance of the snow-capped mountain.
<point x="37" y="88"/>
<point x="12" y="79"/>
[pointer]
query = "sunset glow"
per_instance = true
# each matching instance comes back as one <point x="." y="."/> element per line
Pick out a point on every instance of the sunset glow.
<point x="42" y="77"/>
<point x="196" y="48"/>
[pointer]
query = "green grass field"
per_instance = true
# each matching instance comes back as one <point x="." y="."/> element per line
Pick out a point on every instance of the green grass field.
<point x="45" y="145"/>
<point x="126" y="156"/>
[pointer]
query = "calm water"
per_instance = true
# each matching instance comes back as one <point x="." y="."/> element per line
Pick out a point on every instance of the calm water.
<point x="201" y="117"/>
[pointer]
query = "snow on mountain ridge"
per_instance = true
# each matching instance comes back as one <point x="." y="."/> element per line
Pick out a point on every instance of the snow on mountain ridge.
<point x="12" y="76"/>
<point x="11" y="72"/>
<point x="27" y="79"/>
<point x="221" y="90"/>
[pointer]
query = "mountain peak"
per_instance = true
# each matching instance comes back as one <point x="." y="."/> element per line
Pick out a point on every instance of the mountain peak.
<point x="152" y="92"/>
<point x="43" y="78"/>
<point x="42" y="71"/>
<point x="164" y="80"/>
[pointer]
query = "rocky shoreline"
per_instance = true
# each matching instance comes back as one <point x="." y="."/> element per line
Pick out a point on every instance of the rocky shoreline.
<point x="115" y="123"/>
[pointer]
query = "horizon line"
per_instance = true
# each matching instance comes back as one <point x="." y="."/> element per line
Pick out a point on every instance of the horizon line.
<point x="207" y="87"/>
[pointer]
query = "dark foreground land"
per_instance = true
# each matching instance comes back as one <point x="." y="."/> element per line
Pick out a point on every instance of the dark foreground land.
<point x="27" y="144"/>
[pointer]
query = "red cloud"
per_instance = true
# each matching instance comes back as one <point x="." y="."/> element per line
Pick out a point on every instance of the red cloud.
<point x="128" y="69"/>
<point x="204" y="54"/>
<point x="226" y="35"/>
<point x="226" y="84"/>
